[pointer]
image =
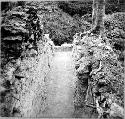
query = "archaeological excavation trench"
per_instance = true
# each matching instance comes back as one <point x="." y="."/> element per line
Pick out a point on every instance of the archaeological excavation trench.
<point x="62" y="59"/>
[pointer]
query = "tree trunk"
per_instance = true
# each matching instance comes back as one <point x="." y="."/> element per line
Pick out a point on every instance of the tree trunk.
<point x="94" y="12"/>
<point x="97" y="16"/>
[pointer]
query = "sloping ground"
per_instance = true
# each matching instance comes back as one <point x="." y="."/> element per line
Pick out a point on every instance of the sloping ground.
<point x="33" y="94"/>
<point x="98" y="65"/>
<point x="24" y="91"/>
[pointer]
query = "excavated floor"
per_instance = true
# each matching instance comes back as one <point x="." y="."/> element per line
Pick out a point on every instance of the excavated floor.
<point x="61" y="88"/>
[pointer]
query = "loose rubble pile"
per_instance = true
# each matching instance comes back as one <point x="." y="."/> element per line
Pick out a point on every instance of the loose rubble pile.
<point x="24" y="64"/>
<point x="97" y="65"/>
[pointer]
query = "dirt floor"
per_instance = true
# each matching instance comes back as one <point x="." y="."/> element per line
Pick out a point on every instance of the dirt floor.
<point x="61" y="87"/>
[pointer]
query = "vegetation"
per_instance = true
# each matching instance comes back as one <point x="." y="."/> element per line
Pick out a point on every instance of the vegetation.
<point x="97" y="30"/>
<point x="100" y="66"/>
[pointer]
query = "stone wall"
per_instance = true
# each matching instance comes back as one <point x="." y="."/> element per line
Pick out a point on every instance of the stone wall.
<point x="101" y="72"/>
<point x="24" y="66"/>
<point x="25" y="81"/>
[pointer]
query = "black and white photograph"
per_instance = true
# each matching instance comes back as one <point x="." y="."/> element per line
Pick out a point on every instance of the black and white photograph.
<point x="62" y="59"/>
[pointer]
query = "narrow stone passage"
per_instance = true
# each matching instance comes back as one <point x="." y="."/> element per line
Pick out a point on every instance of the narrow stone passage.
<point x="61" y="87"/>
